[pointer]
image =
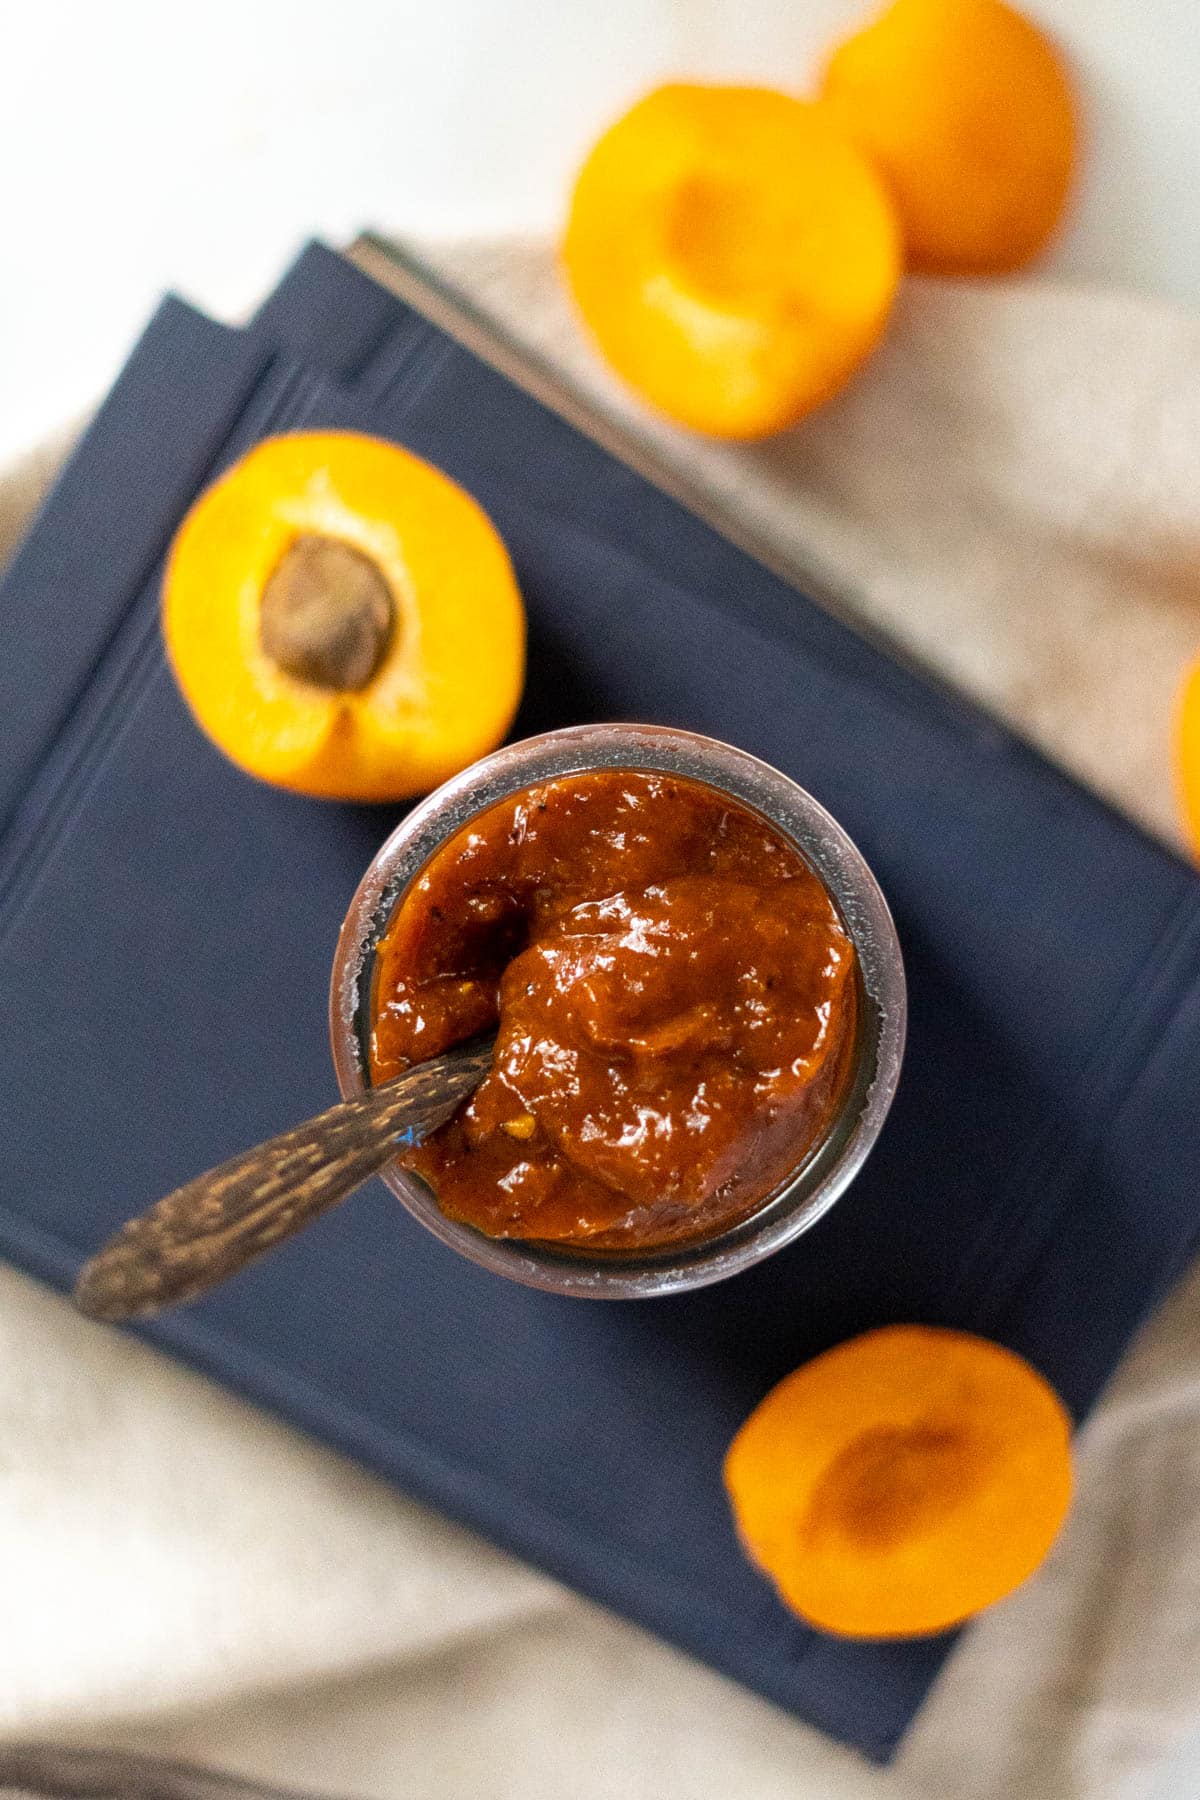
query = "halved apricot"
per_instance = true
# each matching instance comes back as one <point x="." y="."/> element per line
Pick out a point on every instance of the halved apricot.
<point x="733" y="255"/>
<point x="903" y="1481"/>
<point x="967" y="110"/>
<point x="343" y="619"/>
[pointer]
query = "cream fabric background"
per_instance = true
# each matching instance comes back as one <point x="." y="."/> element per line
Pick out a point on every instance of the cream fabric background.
<point x="1014" y="490"/>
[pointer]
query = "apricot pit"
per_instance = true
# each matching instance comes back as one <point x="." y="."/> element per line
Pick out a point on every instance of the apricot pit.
<point x="327" y="614"/>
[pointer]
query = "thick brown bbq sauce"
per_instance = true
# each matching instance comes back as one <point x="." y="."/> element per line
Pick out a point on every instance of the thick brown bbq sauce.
<point x="675" y="1000"/>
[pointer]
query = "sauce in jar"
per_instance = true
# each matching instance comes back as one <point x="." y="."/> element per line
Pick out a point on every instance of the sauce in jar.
<point x="675" y="1003"/>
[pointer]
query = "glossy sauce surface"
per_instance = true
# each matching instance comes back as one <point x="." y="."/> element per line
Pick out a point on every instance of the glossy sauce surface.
<point x="675" y="1003"/>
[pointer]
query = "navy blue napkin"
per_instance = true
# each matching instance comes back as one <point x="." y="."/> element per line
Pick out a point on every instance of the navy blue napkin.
<point x="166" y="929"/>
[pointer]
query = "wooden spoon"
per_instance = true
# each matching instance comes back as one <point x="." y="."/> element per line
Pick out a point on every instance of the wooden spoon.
<point x="213" y="1226"/>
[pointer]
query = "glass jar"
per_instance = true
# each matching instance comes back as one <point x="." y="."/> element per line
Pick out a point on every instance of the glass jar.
<point x="828" y="1167"/>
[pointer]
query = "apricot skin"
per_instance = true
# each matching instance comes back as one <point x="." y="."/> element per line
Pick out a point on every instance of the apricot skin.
<point x="1187" y="736"/>
<point x="967" y="110"/>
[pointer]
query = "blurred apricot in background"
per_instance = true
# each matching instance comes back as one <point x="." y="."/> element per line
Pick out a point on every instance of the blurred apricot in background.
<point x="1188" y="741"/>
<point x="967" y="110"/>
<point x="733" y="255"/>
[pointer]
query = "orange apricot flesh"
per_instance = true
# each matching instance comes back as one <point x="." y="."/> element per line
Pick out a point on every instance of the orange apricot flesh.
<point x="343" y="619"/>
<point x="732" y="254"/>
<point x="901" y="1482"/>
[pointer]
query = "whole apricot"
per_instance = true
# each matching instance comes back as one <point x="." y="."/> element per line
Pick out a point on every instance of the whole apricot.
<point x="967" y="110"/>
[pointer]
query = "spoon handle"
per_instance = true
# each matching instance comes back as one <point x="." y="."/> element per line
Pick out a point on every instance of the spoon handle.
<point x="213" y="1226"/>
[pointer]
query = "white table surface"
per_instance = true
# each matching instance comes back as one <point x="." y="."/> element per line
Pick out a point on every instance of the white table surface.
<point x="147" y="146"/>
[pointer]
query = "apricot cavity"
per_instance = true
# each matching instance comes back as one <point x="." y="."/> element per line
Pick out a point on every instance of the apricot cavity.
<point x="902" y="1481"/>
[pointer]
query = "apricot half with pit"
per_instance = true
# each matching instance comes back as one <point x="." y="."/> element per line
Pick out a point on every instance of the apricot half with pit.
<point x="901" y="1482"/>
<point x="343" y="618"/>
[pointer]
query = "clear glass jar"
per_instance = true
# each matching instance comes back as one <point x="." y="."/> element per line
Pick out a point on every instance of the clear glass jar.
<point x="828" y="1168"/>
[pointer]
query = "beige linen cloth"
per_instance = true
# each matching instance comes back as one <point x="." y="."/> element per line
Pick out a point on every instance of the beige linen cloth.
<point x="1013" y="490"/>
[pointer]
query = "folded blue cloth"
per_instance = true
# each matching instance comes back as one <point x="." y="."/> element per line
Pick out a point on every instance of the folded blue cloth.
<point x="166" y="929"/>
